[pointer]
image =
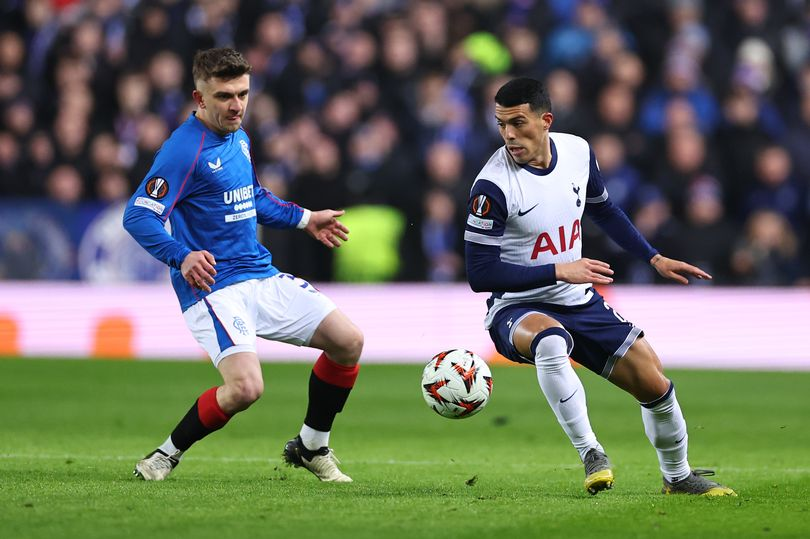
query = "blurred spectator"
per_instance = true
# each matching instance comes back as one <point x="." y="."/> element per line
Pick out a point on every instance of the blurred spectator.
<point x="747" y="19"/>
<point x="687" y="160"/>
<point x="626" y="68"/>
<point x="653" y="218"/>
<point x="571" y="44"/>
<point x="737" y="142"/>
<point x="430" y="20"/>
<point x="112" y="187"/>
<point x="306" y="81"/>
<point x="320" y="183"/>
<point x="105" y="153"/>
<point x="797" y="140"/>
<point x="341" y="114"/>
<point x="570" y="116"/>
<point x="524" y="48"/>
<point x="622" y="180"/>
<point x="12" y="55"/>
<point x="12" y="52"/>
<point x="151" y="132"/>
<point x="616" y="113"/>
<point x="40" y="158"/>
<point x="379" y="172"/>
<point x="10" y="164"/>
<point x="440" y="233"/>
<point x="768" y="253"/>
<point x="682" y="80"/>
<point x="166" y="72"/>
<point x="20" y="118"/>
<point x="64" y="186"/>
<point x="776" y="189"/>
<point x="708" y="236"/>
<point x="150" y="32"/>
<point x="132" y="93"/>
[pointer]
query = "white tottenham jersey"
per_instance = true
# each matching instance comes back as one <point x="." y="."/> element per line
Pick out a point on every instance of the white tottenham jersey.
<point x="541" y="223"/>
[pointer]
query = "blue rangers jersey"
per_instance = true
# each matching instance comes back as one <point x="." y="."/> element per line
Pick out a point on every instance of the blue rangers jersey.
<point x="204" y="184"/>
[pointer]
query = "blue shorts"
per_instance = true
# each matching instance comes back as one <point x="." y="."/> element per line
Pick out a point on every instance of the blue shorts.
<point x="601" y="335"/>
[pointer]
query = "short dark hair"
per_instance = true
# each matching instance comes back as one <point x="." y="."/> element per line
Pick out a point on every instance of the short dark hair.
<point x="224" y="63"/>
<point x="524" y="90"/>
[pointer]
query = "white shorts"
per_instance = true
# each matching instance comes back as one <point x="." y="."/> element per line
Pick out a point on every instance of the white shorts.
<point x="279" y="308"/>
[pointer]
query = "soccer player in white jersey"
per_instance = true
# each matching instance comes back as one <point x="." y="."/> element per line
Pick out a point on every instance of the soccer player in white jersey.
<point x="523" y="243"/>
<point x="204" y="183"/>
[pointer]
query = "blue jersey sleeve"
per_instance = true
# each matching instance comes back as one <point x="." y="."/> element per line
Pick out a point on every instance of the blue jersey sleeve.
<point x="486" y="222"/>
<point x="274" y="212"/>
<point x="611" y="218"/>
<point x="167" y="182"/>
<point x="596" y="191"/>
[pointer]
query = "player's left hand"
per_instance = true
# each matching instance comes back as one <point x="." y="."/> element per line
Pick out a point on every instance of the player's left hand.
<point x="677" y="270"/>
<point x="324" y="226"/>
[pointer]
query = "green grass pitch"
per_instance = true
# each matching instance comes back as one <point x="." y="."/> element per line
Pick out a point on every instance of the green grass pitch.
<point x="70" y="432"/>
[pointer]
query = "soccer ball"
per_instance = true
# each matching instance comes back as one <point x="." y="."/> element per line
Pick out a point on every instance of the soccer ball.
<point x="456" y="384"/>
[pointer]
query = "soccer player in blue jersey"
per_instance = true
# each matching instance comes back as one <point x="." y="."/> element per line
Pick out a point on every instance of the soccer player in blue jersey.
<point x="203" y="182"/>
<point x="523" y="243"/>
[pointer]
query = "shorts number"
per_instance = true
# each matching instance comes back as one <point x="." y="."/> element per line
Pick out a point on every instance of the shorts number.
<point x="617" y="315"/>
<point x="302" y="283"/>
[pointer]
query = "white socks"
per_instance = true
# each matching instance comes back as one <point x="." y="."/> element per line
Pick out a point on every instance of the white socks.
<point x="666" y="429"/>
<point x="169" y="448"/>
<point x="313" y="439"/>
<point x="663" y="420"/>
<point x="563" y="389"/>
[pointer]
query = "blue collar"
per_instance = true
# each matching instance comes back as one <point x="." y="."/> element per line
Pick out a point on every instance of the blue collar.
<point x="544" y="171"/>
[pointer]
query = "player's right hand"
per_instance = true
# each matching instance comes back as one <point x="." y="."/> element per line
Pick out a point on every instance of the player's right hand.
<point x="198" y="270"/>
<point x="584" y="270"/>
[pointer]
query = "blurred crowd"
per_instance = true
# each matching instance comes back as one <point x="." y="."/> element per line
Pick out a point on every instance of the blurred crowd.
<point x="698" y="113"/>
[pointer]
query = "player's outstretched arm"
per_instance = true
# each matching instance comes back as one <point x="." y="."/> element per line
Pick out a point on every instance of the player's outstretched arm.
<point x="324" y="226"/>
<point x="584" y="270"/>
<point x="677" y="270"/>
<point x="198" y="269"/>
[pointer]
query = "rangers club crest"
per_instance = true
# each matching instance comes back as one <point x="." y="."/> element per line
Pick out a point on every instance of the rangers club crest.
<point x="245" y="149"/>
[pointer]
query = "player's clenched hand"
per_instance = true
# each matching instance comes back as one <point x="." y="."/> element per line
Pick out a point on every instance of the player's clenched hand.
<point x="677" y="270"/>
<point x="324" y="227"/>
<point x="198" y="269"/>
<point x="584" y="270"/>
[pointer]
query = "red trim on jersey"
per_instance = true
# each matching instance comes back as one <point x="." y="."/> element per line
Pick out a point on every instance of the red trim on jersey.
<point x="211" y="415"/>
<point x="277" y="201"/>
<point x="193" y="164"/>
<point x="335" y="373"/>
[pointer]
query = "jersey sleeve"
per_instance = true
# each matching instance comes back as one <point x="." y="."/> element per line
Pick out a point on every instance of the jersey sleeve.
<point x="488" y="211"/>
<point x="611" y="218"/>
<point x="166" y="184"/>
<point x="486" y="222"/>
<point x="273" y="211"/>
<point x="596" y="191"/>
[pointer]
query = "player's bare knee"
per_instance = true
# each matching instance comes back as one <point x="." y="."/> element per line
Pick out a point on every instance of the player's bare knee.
<point x="246" y="391"/>
<point x="347" y="351"/>
<point x="657" y="386"/>
<point x="357" y="340"/>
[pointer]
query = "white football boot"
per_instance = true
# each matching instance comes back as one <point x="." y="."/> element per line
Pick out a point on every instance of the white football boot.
<point x="322" y="462"/>
<point x="155" y="466"/>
